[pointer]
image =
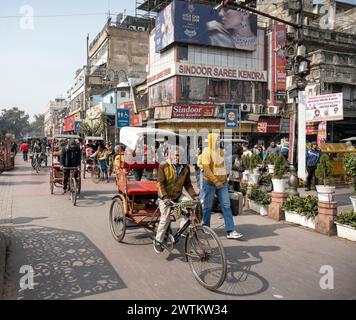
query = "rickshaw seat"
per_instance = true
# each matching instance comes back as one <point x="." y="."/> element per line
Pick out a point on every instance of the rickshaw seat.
<point x="141" y="187"/>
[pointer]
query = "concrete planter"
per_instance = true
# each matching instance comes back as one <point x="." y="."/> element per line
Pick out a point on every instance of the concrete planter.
<point x="262" y="210"/>
<point x="353" y="201"/>
<point x="297" y="218"/>
<point x="279" y="185"/>
<point x="293" y="217"/>
<point x="246" y="175"/>
<point x="325" y="193"/>
<point x="270" y="168"/>
<point x="254" y="178"/>
<point x="346" y="232"/>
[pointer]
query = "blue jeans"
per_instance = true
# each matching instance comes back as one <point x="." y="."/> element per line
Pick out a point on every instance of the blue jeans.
<point x="224" y="200"/>
<point x="201" y="185"/>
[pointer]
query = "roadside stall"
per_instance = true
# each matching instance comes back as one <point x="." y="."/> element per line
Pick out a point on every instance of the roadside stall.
<point x="337" y="152"/>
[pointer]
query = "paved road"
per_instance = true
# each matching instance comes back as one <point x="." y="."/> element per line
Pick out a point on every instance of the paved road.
<point x="75" y="257"/>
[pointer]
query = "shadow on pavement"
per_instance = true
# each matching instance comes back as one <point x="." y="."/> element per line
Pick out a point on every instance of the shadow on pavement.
<point x="253" y="231"/>
<point x="22" y="220"/>
<point x="241" y="280"/>
<point x="67" y="265"/>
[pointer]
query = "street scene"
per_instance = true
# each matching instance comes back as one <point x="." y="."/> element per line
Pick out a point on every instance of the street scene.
<point x="178" y="150"/>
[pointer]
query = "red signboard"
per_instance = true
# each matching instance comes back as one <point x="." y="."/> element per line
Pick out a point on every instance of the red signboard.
<point x="136" y="120"/>
<point x="269" y="125"/>
<point x="311" y="130"/>
<point x="128" y="105"/>
<point x="192" y="111"/>
<point x="322" y="132"/>
<point x="69" y="123"/>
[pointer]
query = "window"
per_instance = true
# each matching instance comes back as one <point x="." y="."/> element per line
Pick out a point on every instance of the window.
<point x="111" y="99"/>
<point x="193" y="88"/>
<point x="260" y="92"/>
<point x="218" y="89"/>
<point x="123" y="94"/>
<point x="162" y="92"/>
<point x="182" y="52"/>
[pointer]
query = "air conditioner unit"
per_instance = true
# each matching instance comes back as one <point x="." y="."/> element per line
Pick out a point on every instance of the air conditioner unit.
<point x="273" y="110"/>
<point x="132" y="27"/>
<point x="141" y="28"/>
<point x="245" y="107"/>
<point x="257" y="108"/>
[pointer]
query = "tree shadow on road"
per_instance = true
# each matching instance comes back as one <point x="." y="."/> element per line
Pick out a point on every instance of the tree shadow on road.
<point x="66" y="264"/>
<point x="22" y="220"/>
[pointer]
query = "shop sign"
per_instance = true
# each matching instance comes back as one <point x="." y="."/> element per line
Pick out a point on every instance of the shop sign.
<point x="159" y="76"/>
<point x="220" y="72"/>
<point x="311" y="130"/>
<point x="327" y="107"/>
<point x="231" y="118"/>
<point x="192" y="111"/>
<point x="136" y="120"/>
<point x="322" y="132"/>
<point x="163" y="113"/>
<point x="269" y="125"/>
<point x="262" y="127"/>
<point x="69" y="124"/>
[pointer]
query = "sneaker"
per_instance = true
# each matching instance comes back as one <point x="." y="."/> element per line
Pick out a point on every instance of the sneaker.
<point x="234" y="235"/>
<point x="157" y="246"/>
<point x="64" y="191"/>
<point x="307" y="189"/>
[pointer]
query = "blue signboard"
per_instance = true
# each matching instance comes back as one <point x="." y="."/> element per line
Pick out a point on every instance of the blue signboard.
<point x="77" y="126"/>
<point x="122" y="118"/>
<point x="193" y="23"/>
<point x="231" y="118"/>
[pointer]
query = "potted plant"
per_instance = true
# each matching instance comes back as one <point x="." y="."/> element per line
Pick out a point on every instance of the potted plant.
<point x="346" y="225"/>
<point x="323" y="173"/>
<point x="259" y="200"/>
<point x="254" y="177"/>
<point x="301" y="210"/>
<point x="265" y="183"/>
<point x="279" y="184"/>
<point x="271" y="159"/>
<point x="246" y="162"/>
<point x="350" y="169"/>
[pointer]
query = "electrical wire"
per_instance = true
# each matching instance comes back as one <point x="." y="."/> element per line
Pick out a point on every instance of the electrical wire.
<point x="59" y="15"/>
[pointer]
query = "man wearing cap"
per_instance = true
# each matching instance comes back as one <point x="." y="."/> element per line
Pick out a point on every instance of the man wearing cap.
<point x="312" y="159"/>
<point x="70" y="158"/>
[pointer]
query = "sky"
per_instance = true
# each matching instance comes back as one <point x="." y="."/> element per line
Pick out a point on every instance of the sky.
<point x="38" y="62"/>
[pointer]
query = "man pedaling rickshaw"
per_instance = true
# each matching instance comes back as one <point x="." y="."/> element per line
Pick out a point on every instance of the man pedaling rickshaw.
<point x="70" y="158"/>
<point x="171" y="178"/>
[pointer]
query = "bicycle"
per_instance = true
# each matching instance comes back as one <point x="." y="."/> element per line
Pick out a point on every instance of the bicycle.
<point x="74" y="184"/>
<point x="36" y="162"/>
<point x="203" y="249"/>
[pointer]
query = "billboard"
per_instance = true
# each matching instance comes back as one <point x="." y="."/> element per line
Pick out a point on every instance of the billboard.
<point x="328" y="107"/>
<point x="231" y="118"/>
<point x="200" y="24"/>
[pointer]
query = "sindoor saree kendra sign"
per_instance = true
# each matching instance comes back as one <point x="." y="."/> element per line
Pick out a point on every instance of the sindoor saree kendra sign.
<point x="192" y="111"/>
<point x="327" y="107"/>
<point x="220" y="72"/>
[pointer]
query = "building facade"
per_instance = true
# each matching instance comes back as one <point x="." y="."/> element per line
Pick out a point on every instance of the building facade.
<point x="53" y="116"/>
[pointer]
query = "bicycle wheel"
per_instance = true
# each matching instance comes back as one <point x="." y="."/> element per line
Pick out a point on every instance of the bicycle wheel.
<point x="206" y="256"/>
<point x="117" y="220"/>
<point x="51" y="184"/>
<point x="37" y="167"/>
<point x="73" y="191"/>
<point x="95" y="175"/>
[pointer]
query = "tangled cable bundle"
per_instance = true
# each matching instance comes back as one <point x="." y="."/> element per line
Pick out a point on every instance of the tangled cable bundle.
<point x="194" y="204"/>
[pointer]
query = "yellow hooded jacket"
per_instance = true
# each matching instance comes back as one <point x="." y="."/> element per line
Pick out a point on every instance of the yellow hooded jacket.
<point x="213" y="161"/>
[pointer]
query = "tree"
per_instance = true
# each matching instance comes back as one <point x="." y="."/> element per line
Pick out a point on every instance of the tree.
<point x="14" y="121"/>
<point x="37" y="126"/>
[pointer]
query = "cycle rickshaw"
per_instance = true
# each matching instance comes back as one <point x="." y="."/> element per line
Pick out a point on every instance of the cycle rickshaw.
<point x="90" y="166"/>
<point x="135" y="206"/>
<point x="56" y="173"/>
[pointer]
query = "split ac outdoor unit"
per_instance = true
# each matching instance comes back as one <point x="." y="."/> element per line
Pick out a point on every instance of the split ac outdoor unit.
<point x="141" y="28"/>
<point x="257" y="108"/>
<point x="132" y="27"/>
<point x="273" y="110"/>
<point x="245" y="108"/>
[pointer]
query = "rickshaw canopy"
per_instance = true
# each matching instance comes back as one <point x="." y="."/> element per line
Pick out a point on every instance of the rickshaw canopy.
<point x="349" y="139"/>
<point x="129" y="136"/>
<point x="337" y="148"/>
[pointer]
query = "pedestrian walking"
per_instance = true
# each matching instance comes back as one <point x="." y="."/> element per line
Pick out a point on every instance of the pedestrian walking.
<point x="24" y="147"/>
<point x="312" y="160"/>
<point x="273" y="148"/>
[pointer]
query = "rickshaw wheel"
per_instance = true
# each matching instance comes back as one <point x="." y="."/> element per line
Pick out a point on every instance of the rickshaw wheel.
<point x="51" y="184"/>
<point x="84" y="170"/>
<point x="117" y="220"/>
<point x="95" y="175"/>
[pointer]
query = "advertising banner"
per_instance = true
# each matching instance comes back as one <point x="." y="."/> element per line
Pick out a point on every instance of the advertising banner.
<point x="280" y="35"/>
<point x="269" y="125"/>
<point x="136" y="120"/>
<point x="187" y="22"/>
<point x="69" y="124"/>
<point x="262" y="127"/>
<point x="77" y="126"/>
<point x="192" y="111"/>
<point x="322" y="132"/>
<point x="231" y="118"/>
<point x="327" y="107"/>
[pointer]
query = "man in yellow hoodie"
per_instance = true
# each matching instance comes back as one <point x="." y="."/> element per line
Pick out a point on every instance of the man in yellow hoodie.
<point x="215" y="182"/>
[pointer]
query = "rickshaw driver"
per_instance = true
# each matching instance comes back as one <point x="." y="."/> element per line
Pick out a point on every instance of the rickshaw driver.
<point x="171" y="178"/>
<point x="70" y="158"/>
